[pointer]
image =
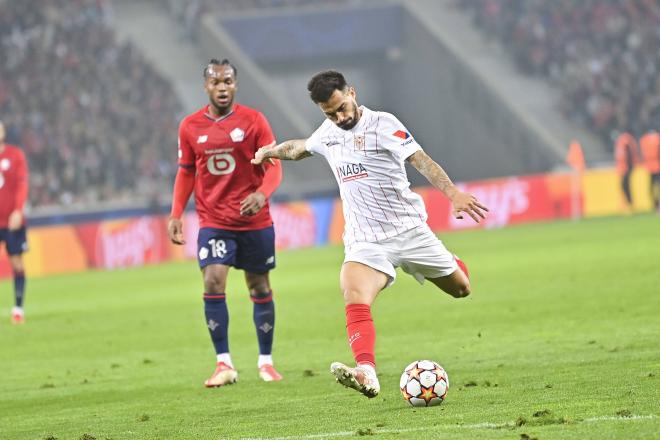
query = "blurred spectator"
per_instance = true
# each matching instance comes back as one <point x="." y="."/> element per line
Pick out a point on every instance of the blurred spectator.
<point x="650" y="146"/>
<point x="625" y="159"/>
<point x="97" y="123"/>
<point x="602" y="53"/>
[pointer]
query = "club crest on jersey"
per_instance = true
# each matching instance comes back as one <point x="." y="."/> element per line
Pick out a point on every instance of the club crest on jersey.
<point x="351" y="171"/>
<point x="237" y="135"/>
<point x="359" y="142"/>
<point x="4" y="164"/>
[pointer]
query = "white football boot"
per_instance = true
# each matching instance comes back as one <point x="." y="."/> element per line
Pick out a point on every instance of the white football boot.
<point x="361" y="378"/>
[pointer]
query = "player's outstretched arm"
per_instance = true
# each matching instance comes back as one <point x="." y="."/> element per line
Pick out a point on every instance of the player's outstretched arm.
<point x="289" y="150"/>
<point x="461" y="201"/>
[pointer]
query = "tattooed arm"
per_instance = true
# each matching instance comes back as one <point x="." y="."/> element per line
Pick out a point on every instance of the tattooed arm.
<point x="289" y="150"/>
<point x="433" y="173"/>
<point x="461" y="202"/>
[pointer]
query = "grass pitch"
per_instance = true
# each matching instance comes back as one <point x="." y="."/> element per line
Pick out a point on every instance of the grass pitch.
<point x="560" y="339"/>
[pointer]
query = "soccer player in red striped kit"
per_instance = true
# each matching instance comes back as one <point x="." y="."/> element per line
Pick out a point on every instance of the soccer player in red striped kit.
<point x="13" y="195"/>
<point x="216" y="144"/>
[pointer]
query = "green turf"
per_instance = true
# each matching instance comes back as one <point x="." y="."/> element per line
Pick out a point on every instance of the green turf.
<point x="564" y="320"/>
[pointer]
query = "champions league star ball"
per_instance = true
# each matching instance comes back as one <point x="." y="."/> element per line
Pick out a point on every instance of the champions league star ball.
<point x="424" y="383"/>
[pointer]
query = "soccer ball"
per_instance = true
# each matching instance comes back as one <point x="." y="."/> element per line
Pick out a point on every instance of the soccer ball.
<point x="424" y="383"/>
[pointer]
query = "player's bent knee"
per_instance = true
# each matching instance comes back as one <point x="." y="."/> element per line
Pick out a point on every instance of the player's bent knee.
<point x="461" y="291"/>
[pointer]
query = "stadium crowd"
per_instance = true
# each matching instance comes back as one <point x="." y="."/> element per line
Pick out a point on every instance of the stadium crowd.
<point x="602" y="53"/>
<point x="96" y="122"/>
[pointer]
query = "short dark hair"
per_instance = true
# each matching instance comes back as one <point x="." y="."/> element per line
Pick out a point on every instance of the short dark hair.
<point x="323" y="85"/>
<point x="215" y="62"/>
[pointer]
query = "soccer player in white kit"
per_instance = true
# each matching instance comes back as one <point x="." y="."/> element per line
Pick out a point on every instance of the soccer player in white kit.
<point x="385" y="222"/>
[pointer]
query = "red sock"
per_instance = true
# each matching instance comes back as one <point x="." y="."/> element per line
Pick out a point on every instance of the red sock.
<point x="463" y="267"/>
<point x="361" y="333"/>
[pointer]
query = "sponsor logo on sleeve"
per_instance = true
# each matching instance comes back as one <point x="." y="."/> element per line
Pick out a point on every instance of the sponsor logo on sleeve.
<point x="407" y="138"/>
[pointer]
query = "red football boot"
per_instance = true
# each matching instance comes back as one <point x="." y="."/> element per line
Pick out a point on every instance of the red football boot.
<point x="17" y="316"/>
<point x="462" y="265"/>
<point x="223" y="375"/>
<point x="268" y="373"/>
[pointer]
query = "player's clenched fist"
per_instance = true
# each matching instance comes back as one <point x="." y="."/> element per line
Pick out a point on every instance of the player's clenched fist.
<point x="175" y="230"/>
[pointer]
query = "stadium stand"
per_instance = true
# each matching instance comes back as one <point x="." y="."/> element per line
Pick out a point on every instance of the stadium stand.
<point x="603" y="55"/>
<point x="189" y="12"/>
<point x="97" y="123"/>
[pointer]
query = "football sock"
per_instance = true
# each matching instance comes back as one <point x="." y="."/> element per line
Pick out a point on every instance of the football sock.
<point x="264" y="359"/>
<point x="264" y="320"/>
<point x="225" y="358"/>
<point x="217" y="320"/>
<point x="463" y="267"/>
<point x="361" y="333"/>
<point x="19" y="288"/>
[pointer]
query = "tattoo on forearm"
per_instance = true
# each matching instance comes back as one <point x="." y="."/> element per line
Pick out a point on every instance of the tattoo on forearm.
<point x="286" y="150"/>
<point x="434" y="173"/>
<point x="290" y="150"/>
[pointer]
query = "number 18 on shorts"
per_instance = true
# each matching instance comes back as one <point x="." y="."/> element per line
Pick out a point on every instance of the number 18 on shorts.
<point x="252" y="251"/>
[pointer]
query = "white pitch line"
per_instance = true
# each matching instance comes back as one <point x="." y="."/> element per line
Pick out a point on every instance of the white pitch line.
<point x="482" y="425"/>
<point x="604" y="418"/>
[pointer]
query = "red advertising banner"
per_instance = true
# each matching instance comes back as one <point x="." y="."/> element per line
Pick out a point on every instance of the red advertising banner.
<point x="511" y="201"/>
<point x="5" y="268"/>
<point x="295" y="225"/>
<point x="124" y="243"/>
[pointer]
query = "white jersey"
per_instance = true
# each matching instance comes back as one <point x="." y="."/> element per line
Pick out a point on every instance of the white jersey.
<point x="368" y="163"/>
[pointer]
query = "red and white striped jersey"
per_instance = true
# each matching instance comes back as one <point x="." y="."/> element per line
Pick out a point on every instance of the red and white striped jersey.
<point x="368" y="162"/>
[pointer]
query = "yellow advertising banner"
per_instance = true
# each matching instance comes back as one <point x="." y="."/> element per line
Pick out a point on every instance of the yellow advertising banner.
<point x="603" y="195"/>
